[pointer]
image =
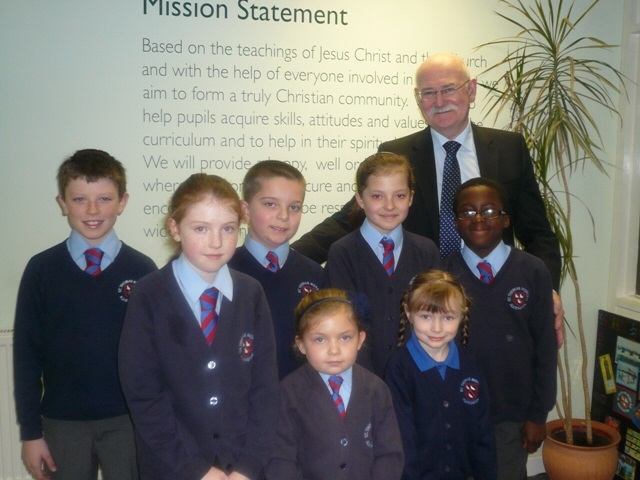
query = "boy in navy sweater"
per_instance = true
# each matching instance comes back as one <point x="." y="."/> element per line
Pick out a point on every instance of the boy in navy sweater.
<point x="71" y="305"/>
<point x="511" y="323"/>
<point x="273" y="196"/>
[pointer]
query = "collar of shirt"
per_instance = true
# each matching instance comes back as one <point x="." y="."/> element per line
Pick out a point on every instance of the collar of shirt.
<point x="77" y="245"/>
<point x="496" y="258"/>
<point x="424" y="361"/>
<point x="259" y="251"/>
<point x="345" y="388"/>
<point x="373" y="237"/>
<point x="467" y="156"/>
<point x="192" y="285"/>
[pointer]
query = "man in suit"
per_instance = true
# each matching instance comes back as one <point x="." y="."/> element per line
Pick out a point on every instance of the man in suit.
<point x="444" y="92"/>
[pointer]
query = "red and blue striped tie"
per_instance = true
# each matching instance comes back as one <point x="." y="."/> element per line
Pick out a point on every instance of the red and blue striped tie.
<point x="388" y="261"/>
<point x="93" y="256"/>
<point x="335" y="381"/>
<point x="486" y="274"/>
<point x="208" y="314"/>
<point x="274" y="265"/>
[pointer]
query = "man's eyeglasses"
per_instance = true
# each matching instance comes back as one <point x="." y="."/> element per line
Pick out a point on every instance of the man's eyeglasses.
<point x="427" y="94"/>
<point x="487" y="214"/>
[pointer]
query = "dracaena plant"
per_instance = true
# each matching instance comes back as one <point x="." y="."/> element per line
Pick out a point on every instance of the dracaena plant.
<point x="550" y="84"/>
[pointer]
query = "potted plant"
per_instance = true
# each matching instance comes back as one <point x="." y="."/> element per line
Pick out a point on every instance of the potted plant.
<point x="547" y="90"/>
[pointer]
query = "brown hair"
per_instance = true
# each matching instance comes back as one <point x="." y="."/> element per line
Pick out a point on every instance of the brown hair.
<point x="382" y="164"/>
<point x="196" y="188"/>
<point x="264" y="170"/>
<point x="320" y="303"/>
<point x="435" y="291"/>
<point x="92" y="165"/>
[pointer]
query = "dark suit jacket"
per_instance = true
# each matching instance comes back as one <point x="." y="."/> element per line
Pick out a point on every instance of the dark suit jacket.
<point x="502" y="156"/>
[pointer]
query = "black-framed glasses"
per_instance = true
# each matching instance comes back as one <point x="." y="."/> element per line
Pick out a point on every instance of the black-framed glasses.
<point x="428" y="94"/>
<point x="487" y="214"/>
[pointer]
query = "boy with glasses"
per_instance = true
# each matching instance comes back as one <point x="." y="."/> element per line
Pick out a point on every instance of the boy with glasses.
<point x="511" y="323"/>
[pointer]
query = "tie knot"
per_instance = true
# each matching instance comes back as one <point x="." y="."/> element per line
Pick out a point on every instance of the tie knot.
<point x="209" y="298"/>
<point x="387" y="244"/>
<point x="272" y="258"/>
<point x="335" y="381"/>
<point x="486" y="273"/>
<point x="93" y="257"/>
<point x="451" y="147"/>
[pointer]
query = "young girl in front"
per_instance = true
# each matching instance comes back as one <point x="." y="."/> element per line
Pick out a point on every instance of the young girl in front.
<point x="197" y="352"/>
<point x="336" y="418"/>
<point x="439" y="393"/>
<point x="380" y="259"/>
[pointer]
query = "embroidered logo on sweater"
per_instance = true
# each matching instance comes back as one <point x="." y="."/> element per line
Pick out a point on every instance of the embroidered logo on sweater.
<point x="368" y="436"/>
<point x="470" y="390"/>
<point x="246" y="347"/>
<point x="124" y="290"/>
<point x="518" y="298"/>
<point x="305" y="288"/>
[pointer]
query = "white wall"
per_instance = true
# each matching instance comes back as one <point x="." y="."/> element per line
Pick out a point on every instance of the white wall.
<point x="71" y="78"/>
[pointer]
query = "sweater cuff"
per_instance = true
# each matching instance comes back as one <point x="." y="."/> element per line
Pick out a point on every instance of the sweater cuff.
<point x="538" y="417"/>
<point x="31" y="431"/>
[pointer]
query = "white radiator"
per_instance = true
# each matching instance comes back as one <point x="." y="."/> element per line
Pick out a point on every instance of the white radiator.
<point x="11" y="467"/>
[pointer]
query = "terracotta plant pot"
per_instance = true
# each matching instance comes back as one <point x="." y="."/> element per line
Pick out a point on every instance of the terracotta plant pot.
<point x="571" y="462"/>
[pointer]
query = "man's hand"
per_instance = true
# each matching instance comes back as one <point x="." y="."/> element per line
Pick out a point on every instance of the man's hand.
<point x="558" y="310"/>
<point x="37" y="459"/>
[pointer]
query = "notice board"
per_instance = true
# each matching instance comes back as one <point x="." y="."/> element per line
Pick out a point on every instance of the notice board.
<point x="615" y="399"/>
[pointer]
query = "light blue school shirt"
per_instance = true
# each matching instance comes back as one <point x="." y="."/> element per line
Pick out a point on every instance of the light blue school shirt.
<point x="193" y="285"/>
<point x="259" y="251"/>
<point x="77" y="245"/>
<point x="373" y="237"/>
<point x="496" y="258"/>
<point x="345" y="388"/>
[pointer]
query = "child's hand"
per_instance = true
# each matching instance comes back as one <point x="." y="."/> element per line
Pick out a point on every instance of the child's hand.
<point x="215" y="474"/>
<point x="237" y="476"/>
<point x="37" y="459"/>
<point x="533" y="434"/>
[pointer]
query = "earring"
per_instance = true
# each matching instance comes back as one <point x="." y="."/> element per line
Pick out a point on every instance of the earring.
<point x="472" y="105"/>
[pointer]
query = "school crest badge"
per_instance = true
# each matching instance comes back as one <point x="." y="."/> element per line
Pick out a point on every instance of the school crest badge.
<point x="246" y="347"/>
<point x="305" y="288"/>
<point x="470" y="390"/>
<point x="368" y="436"/>
<point x="518" y="298"/>
<point x="124" y="290"/>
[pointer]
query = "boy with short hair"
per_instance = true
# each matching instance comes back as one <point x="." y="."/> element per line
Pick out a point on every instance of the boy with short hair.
<point x="273" y="196"/>
<point x="71" y="305"/>
<point x="512" y="331"/>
